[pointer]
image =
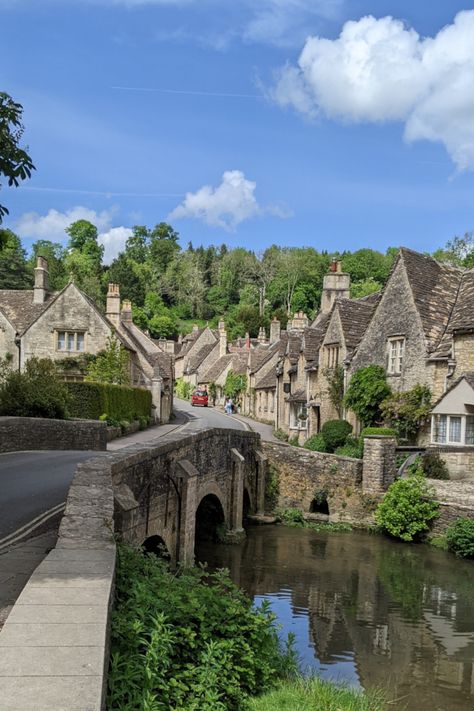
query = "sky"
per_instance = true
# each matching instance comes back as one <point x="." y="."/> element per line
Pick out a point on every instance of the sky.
<point x="337" y="124"/>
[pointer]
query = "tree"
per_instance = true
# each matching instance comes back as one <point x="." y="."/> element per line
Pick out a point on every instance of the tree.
<point x="83" y="261"/>
<point x="54" y="253"/>
<point x="15" y="163"/>
<point x="367" y="390"/>
<point x="234" y="385"/>
<point x="406" y="412"/>
<point x="111" y="364"/>
<point x="335" y="380"/>
<point x="14" y="271"/>
<point x="164" y="246"/>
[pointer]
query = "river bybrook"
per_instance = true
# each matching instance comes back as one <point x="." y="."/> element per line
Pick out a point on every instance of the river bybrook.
<point x="365" y="610"/>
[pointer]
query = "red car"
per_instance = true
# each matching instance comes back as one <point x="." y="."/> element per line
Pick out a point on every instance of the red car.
<point x="200" y="397"/>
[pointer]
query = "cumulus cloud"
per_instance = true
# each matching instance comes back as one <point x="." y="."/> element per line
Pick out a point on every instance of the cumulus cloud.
<point x="52" y="226"/>
<point x="381" y="70"/>
<point x="227" y="205"/>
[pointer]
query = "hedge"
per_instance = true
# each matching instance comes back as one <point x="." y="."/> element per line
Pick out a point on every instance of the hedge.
<point x="119" y="402"/>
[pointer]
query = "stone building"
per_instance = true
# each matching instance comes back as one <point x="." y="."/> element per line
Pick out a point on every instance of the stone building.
<point x="198" y="351"/>
<point x="67" y="324"/>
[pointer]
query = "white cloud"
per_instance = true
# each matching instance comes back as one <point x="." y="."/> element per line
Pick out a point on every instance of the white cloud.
<point x="52" y="226"/>
<point x="227" y="205"/>
<point x="114" y="241"/>
<point x="380" y="70"/>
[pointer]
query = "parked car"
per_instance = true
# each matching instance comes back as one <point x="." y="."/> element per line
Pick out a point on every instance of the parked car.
<point x="200" y="397"/>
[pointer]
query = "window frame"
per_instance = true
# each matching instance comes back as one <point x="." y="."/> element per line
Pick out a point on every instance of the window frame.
<point x="67" y="334"/>
<point x="447" y="442"/>
<point x="395" y="354"/>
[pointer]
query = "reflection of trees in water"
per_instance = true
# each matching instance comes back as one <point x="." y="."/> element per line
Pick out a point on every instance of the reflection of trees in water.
<point x="376" y="599"/>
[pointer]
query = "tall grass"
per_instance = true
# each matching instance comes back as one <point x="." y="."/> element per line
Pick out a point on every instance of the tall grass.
<point x="317" y="695"/>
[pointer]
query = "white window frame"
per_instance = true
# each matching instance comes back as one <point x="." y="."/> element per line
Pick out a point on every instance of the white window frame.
<point x="332" y="355"/>
<point x="297" y="408"/>
<point x="67" y="336"/>
<point x="448" y="441"/>
<point x="396" y="354"/>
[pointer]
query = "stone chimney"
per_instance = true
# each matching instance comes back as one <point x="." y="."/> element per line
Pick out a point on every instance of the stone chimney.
<point x="195" y="328"/>
<point x="41" y="288"/>
<point x="126" y="315"/>
<point x="299" y="322"/>
<point x="275" y="330"/>
<point x="113" y="304"/>
<point x="247" y="340"/>
<point x="262" y="337"/>
<point x="222" y="339"/>
<point x="336" y="285"/>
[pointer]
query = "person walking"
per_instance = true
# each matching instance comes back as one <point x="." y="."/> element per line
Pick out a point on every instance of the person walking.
<point x="229" y="406"/>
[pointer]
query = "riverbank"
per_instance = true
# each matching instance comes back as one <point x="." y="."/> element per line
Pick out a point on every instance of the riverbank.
<point x="194" y="640"/>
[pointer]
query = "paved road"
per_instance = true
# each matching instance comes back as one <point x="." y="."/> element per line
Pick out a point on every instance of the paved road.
<point x="203" y="417"/>
<point x="33" y="482"/>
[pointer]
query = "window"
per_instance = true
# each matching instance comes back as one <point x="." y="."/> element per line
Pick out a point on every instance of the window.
<point x="452" y="429"/>
<point x="332" y="356"/>
<point x="396" y="350"/>
<point x="299" y="416"/>
<point x="70" y="341"/>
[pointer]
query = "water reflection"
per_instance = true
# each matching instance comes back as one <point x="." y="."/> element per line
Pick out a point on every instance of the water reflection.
<point x="366" y="610"/>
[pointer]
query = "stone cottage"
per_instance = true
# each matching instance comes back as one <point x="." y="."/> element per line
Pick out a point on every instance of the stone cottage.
<point x="67" y="324"/>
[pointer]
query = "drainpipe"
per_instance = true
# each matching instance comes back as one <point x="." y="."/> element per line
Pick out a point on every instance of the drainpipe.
<point x="18" y="345"/>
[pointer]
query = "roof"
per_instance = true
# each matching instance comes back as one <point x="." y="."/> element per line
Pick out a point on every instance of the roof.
<point x="216" y="369"/>
<point x="435" y="286"/>
<point x="153" y="354"/>
<point x="294" y="346"/>
<point x="197" y="358"/>
<point x="469" y="377"/>
<point x="313" y="338"/>
<point x="355" y="315"/>
<point x="18" y="307"/>
<point x="298" y="396"/>
<point x="268" y="381"/>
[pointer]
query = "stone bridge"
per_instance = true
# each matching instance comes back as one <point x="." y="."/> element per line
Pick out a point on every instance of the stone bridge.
<point x="165" y="495"/>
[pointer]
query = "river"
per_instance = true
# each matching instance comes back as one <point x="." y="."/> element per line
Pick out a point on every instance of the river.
<point x="365" y="610"/>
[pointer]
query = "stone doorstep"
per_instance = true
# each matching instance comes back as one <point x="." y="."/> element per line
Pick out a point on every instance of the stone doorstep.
<point x="32" y="693"/>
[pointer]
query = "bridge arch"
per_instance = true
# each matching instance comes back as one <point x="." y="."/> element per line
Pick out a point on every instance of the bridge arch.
<point x="156" y="544"/>
<point x="247" y="507"/>
<point x="209" y="516"/>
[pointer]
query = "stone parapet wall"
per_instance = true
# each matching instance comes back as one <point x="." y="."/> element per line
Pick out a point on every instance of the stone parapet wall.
<point x="459" y="460"/>
<point x="31" y="433"/>
<point x="379" y="464"/>
<point x="302" y="473"/>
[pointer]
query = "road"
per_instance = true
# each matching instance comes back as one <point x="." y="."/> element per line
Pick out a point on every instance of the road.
<point x="33" y="482"/>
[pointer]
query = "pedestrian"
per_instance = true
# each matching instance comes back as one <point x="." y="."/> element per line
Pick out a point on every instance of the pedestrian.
<point x="229" y="406"/>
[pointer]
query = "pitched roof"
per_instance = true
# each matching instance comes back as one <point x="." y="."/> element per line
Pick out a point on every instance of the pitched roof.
<point x="140" y="341"/>
<point x="313" y="338"/>
<point x="294" y="346"/>
<point x="18" y="307"/>
<point x="197" y="358"/>
<point x="216" y="369"/>
<point x="268" y="381"/>
<point x="468" y="377"/>
<point x="298" y="396"/>
<point x="355" y="315"/>
<point x="435" y="287"/>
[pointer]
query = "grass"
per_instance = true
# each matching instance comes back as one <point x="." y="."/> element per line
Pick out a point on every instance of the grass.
<point x="294" y="518"/>
<point x="317" y="695"/>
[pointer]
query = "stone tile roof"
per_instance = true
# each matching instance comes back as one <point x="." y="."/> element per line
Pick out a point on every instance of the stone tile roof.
<point x="197" y="358"/>
<point x="260" y="356"/>
<point x="355" y="315"/>
<point x="469" y="377"/>
<point x="313" y="338"/>
<point x="239" y="363"/>
<point x="435" y="287"/>
<point x="462" y="316"/>
<point x="268" y="381"/>
<point x="18" y="307"/>
<point x="294" y="346"/>
<point x="138" y="340"/>
<point x="216" y="369"/>
<point x="298" y="396"/>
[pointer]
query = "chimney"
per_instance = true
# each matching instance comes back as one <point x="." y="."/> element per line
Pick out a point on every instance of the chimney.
<point x="222" y="339"/>
<point x="336" y="285"/>
<point x="126" y="315"/>
<point x="113" y="304"/>
<point x="299" y="322"/>
<point x="247" y="340"/>
<point x="41" y="287"/>
<point x="262" y="338"/>
<point x="195" y="328"/>
<point x="275" y="330"/>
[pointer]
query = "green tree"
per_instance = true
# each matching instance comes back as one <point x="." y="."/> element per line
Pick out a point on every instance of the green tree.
<point x="14" y="270"/>
<point x="365" y="287"/>
<point x="234" y="385"/>
<point x="406" y="412"/>
<point x="367" y="264"/>
<point x="54" y="253"/>
<point x="335" y="380"/>
<point x="15" y="163"/>
<point x="163" y="247"/>
<point x="83" y="261"/>
<point x="367" y="390"/>
<point x="111" y="364"/>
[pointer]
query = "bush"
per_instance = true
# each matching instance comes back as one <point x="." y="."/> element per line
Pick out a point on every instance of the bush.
<point x="190" y="640"/>
<point x="335" y="433"/>
<point x="407" y="509"/>
<point x="183" y="389"/>
<point x="290" y="517"/>
<point x="367" y="390"/>
<point x="386" y="431"/>
<point x="281" y="435"/>
<point x="433" y="466"/>
<point x="37" y="392"/>
<point x="316" y="443"/>
<point x="460" y="537"/>
<point x="117" y="402"/>
<point x="272" y="488"/>
<point x="354" y="447"/>
<point x="407" y="411"/>
<point x="294" y="441"/>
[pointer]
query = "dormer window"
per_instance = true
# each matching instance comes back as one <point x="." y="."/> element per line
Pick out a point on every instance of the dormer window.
<point x="396" y="352"/>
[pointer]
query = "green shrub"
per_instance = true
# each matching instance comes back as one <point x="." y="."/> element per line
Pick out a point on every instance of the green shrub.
<point x="294" y="441"/>
<point x="367" y="390"/>
<point x="335" y="433"/>
<point x="183" y="389"/>
<point x="281" y="435"/>
<point x="272" y="488"/>
<point x="37" y="392"/>
<point x="190" y="640"/>
<point x="407" y="411"/>
<point x="351" y="449"/>
<point x="407" y="509"/>
<point x="117" y="402"/>
<point x="385" y="431"/>
<point x="460" y="537"/>
<point x="290" y="517"/>
<point x="316" y="443"/>
<point x="433" y="466"/>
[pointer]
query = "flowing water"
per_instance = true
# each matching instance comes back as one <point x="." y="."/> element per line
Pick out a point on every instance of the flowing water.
<point x="365" y="610"/>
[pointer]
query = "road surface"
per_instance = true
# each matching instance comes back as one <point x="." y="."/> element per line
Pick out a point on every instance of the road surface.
<point x="34" y="482"/>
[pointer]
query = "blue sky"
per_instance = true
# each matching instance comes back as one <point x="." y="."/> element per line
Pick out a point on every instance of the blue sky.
<point x="331" y="123"/>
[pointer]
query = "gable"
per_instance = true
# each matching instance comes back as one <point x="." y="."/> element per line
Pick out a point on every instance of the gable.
<point x="459" y="400"/>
